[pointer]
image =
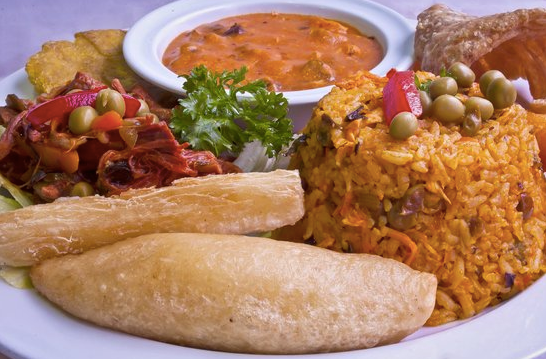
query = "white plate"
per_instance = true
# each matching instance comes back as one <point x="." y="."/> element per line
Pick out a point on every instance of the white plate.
<point x="148" y="38"/>
<point x="30" y="327"/>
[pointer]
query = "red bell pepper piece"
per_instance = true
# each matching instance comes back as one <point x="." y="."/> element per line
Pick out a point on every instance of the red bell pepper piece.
<point x="110" y="120"/>
<point x="60" y="107"/>
<point x="401" y="95"/>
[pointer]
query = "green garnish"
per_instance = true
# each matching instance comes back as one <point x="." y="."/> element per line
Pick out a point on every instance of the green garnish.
<point x="423" y="86"/>
<point x="445" y="73"/>
<point x="215" y="119"/>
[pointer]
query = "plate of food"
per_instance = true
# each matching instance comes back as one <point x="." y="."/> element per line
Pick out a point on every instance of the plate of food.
<point x="404" y="218"/>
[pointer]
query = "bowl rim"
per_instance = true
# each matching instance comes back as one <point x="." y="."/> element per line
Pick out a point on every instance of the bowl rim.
<point x="147" y="39"/>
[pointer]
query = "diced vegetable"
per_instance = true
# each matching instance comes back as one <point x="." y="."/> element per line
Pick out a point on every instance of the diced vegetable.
<point x="57" y="158"/>
<point x="62" y="106"/>
<point x="110" y="120"/>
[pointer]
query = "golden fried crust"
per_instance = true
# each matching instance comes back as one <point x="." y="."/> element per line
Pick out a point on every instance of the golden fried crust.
<point x="512" y="42"/>
<point x="240" y="294"/>
<point x="231" y="203"/>
<point x="96" y="52"/>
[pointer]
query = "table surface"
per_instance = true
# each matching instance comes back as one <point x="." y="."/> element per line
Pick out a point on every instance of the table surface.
<point x="26" y="24"/>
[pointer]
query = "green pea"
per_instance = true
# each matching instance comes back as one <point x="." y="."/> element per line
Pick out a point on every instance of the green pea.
<point x="502" y="93"/>
<point x="403" y="125"/>
<point x="82" y="189"/>
<point x="426" y="102"/>
<point x="485" y="107"/>
<point x="80" y="119"/>
<point x="443" y="86"/>
<point x="463" y="74"/>
<point x="487" y="78"/>
<point x="448" y="109"/>
<point x="110" y="100"/>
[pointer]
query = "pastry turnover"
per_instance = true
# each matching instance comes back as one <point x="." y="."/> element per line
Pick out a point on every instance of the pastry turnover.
<point x="240" y="294"/>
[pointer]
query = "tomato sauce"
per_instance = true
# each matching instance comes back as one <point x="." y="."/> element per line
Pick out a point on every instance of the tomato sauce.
<point x="289" y="51"/>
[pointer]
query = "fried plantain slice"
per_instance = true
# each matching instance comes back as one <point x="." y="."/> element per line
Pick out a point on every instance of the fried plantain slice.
<point x="95" y="52"/>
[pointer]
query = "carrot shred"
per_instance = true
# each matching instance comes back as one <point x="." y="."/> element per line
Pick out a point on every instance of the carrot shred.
<point x="406" y="241"/>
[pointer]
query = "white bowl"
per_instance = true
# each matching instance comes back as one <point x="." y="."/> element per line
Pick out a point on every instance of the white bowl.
<point x="148" y="38"/>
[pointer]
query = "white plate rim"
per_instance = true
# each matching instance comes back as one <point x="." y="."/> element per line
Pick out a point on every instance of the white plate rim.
<point x="144" y="36"/>
<point x="32" y="328"/>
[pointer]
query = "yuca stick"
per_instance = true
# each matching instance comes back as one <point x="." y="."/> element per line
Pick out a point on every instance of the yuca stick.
<point x="232" y="204"/>
<point x="240" y="294"/>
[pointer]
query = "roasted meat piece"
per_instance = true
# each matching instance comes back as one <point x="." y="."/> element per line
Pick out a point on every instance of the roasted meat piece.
<point x="512" y="42"/>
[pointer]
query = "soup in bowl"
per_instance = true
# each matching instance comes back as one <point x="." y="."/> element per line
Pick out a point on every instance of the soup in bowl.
<point x="152" y="44"/>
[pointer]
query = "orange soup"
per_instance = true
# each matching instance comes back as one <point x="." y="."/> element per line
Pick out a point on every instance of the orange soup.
<point x="289" y="51"/>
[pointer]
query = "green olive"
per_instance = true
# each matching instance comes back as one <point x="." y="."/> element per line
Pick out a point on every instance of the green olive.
<point x="478" y="103"/>
<point x="463" y="74"/>
<point x="403" y="125"/>
<point x="82" y="189"/>
<point x="426" y="102"/>
<point x="371" y="202"/>
<point x="471" y="123"/>
<point x="143" y="109"/>
<point x="502" y="93"/>
<point x="399" y="220"/>
<point x="443" y="86"/>
<point x="110" y="100"/>
<point x="448" y="109"/>
<point x="487" y="78"/>
<point x="80" y="119"/>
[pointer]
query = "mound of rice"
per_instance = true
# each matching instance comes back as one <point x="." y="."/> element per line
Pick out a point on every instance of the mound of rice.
<point x="469" y="209"/>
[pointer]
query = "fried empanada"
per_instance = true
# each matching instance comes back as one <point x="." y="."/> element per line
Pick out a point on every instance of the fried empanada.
<point x="232" y="203"/>
<point x="240" y="294"/>
<point x="512" y="42"/>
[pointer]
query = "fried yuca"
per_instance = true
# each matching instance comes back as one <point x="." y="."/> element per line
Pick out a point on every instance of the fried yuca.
<point x="240" y="294"/>
<point x="232" y="203"/>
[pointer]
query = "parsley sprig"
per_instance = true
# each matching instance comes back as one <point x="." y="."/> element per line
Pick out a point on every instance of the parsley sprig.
<point x="424" y="86"/>
<point x="216" y="118"/>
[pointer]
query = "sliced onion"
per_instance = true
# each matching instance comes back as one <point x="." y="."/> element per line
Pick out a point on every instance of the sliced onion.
<point x="253" y="158"/>
<point x="129" y="135"/>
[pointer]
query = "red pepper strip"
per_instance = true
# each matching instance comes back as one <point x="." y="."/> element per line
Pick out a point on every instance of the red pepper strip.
<point x="61" y="106"/>
<point x="110" y="120"/>
<point x="401" y="95"/>
<point x="132" y="105"/>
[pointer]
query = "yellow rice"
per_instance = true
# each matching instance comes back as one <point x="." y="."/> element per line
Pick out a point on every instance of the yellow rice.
<point x="476" y="241"/>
